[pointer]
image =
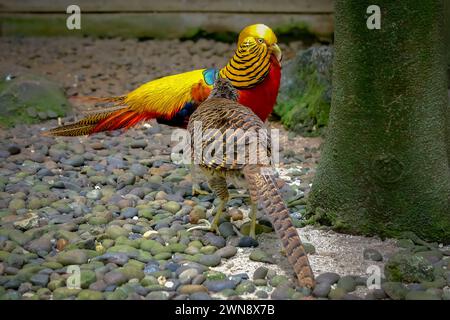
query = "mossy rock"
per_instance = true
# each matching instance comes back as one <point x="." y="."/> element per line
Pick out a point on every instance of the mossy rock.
<point x="406" y="267"/>
<point x="28" y="98"/>
<point x="304" y="98"/>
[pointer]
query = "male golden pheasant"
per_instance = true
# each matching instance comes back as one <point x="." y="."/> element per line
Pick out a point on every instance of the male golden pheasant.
<point x="254" y="71"/>
<point x="221" y="124"/>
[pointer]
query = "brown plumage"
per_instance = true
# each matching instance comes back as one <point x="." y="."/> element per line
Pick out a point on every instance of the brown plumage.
<point x="220" y="118"/>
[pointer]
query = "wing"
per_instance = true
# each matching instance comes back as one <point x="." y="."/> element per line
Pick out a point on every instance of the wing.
<point x="170" y="99"/>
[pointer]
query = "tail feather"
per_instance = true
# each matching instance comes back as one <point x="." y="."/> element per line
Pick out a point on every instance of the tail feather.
<point x="112" y="119"/>
<point x="263" y="187"/>
<point x="89" y="99"/>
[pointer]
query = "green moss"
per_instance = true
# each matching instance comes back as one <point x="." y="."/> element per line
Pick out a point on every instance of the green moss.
<point x="30" y="99"/>
<point x="306" y="112"/>
<point x="304" y="99"/>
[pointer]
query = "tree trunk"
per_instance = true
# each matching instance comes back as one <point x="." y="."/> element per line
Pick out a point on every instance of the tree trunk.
<point x="385" y="164"/>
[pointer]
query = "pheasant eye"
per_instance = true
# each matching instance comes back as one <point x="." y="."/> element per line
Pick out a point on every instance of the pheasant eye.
<point x="261" y="40"/>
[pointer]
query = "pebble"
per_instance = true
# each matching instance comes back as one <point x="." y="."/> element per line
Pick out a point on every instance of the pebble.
<point x="309" y="248"/>
<point x="261" y="294"/>
<point x="75" y="161"/>
<point x="226" y="229"/>
<point x="321" y="290"/>
<point x="72" y="257"/>
<point x="40" y="279"/>
<point x="245" y="287"/>
<point x="187" y="275"/>
<point x="282" y="293"/>
<point x="372" y="254"/>
<point x="115" y="278"/>
<point x="260" y="273"/>
<point x="260" y="256"/>
<point x="114" y="232"/>
<point x="213" y="240"/>
<point x="247" y="242"/>
<point x="200" y="296"/>
<point x="191" y="288"/>
<point x="328" y="278"/>
<point x="347" y="283"/>
<point x="210" y="260"/>
<point x="90" y="295"/>
<point x="226" y="252"/>
<point x="219" y="285"/>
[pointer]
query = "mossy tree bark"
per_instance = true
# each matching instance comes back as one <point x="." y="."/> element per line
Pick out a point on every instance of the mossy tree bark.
<point x="385" y="164"/>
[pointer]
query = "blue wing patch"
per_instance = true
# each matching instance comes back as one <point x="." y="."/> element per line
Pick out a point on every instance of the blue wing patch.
<point x="210" y="75"/>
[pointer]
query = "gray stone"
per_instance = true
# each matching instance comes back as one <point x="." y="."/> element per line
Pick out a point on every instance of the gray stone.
<point x="328" y="277"/>
<point x="247" y="242"/>
<point x="40" y="279"/>
<point x="219" y="285"/>
<point x="94" y="194"/>
<point x="200" y="296"/>
<point x="372" y="254"/>
<point x="321" y="290"/>
<point x="213" y="240"/>
<point x="226" y="229"/>
<point x="226" y="252"/>
<point x="210" y="260"/>
<point x="75" y="161"/>
<point x="260" y="273"/>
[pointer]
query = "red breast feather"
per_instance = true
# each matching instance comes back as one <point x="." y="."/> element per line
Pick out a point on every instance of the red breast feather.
<point x="262" y="98"/>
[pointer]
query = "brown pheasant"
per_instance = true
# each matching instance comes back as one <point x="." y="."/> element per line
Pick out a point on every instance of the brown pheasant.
<point x="223" y="133"/>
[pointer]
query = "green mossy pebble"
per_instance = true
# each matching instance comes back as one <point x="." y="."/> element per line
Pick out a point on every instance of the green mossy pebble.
<point x="260" y="256"/>
<point x="245" y="287"/>
<point x="90" y="295"/>
<point x="114" y="232"/>
<point x="336" y="293"/>
<point x="87" y="278"/>
<point x="132" y="272"/>
<point x="76" y="256"/>
<point x="406" y="267"/>
<point x="214" y="275"/>
<point x="124" y="249"/>
<point x="64" y="293"/>
<point x="278" y="280"/>
<point x="52" y="265"/>
<point x="171" y="206"/>
<point x="208" y="249"/>
<point x="228" y="292"/>
<point x="162" y="256"/>
<point x="395" y="290"/>
<point x="260" y="282"/>
<point x="55" y="284"/>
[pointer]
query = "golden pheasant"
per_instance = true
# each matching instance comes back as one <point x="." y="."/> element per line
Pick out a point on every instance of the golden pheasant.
<point x="221" y="146"/>
<point x="254" y="71"/>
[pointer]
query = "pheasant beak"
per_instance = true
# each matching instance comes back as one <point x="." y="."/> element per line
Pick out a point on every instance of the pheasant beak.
<point x="276" y="51"/>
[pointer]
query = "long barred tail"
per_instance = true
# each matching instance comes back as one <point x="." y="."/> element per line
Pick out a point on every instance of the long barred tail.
<point x="263" y="187"/>
<point x="108" y="119"/>
<point x="88" y="99"/>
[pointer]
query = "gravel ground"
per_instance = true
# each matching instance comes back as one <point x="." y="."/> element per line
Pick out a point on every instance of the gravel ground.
<point x="116" y="206"/>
